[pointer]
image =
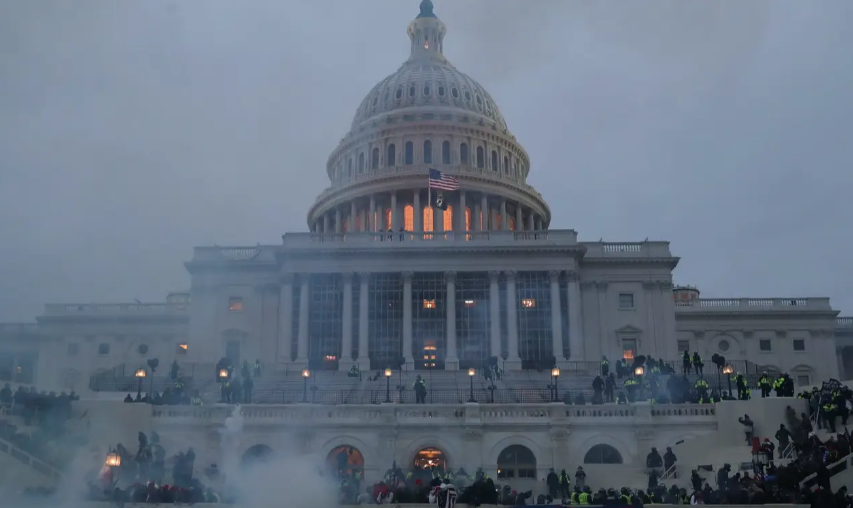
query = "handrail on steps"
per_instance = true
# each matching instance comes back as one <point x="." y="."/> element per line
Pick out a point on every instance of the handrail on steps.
<point x="829" y="467"/>
<point x="29" y="460"/>
<point x="669" y="473"/>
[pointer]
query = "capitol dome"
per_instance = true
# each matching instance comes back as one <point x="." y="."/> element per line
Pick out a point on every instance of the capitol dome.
<point x="428" y="115"/>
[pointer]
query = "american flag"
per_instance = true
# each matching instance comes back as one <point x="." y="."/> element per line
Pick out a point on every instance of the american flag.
<point x="437" y="180"/>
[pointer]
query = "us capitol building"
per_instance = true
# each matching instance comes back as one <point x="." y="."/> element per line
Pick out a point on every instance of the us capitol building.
<point x="381" y="274"/>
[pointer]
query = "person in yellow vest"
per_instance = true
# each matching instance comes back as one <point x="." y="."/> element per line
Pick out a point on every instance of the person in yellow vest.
<point x="584" y="497"/>
<point x="701" y="387"/>
<point x="625" y="497"/>
<point x="605" y="366"/>
<point x="764" y="384"/>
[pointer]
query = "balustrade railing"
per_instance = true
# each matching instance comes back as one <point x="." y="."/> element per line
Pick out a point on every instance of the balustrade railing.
<point x="754" y="304"/>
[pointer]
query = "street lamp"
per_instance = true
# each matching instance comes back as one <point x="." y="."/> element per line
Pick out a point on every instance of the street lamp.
<point x="471" y="374"/>
<point x="727" y="370"/>
<point x="113" y="459"/>
<point x="140" y="376"/>
<point x="305" y="375"/>
<point x="555" y="373"/>
<point x="388" y="374"/>
<point x="639" y="371"/>
<point x="223" y="375"/>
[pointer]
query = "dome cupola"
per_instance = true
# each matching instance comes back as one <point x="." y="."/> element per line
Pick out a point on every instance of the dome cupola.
<point x="428" y="115"/>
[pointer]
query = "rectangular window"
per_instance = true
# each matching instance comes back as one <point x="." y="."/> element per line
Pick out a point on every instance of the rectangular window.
<point x="235" y="304"/>
<point x="429" y="304"/>
<point x="683" y="345"/>
<point x="73" y="348"/>
<point x="629" y="348"/>
<point x="626" y="300"/>
<point x="764" y="345"/>
<point x="799" y="345"/>
<point x="182" y="349"/>
<point x="803" y="380"/>
<point x="528" y="303"/>
<point x="103" y="348"/>
<point x="470" y="303"/>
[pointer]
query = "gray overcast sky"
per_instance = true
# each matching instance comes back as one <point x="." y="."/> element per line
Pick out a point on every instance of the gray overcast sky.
<point x="132" y="131"/>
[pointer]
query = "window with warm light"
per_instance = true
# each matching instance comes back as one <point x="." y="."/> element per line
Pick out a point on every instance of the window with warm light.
<point x="448" y="218"/>
<point x="528" y="303"/>
<point x="235" y="304"/>
<point x="428" y="221"/>
<point x="409" y="218"/>
<point x="429" y="304"/>
<point x="182" y="349"/>
<point x="388" y="222"/>
<point x="467" y="218"/>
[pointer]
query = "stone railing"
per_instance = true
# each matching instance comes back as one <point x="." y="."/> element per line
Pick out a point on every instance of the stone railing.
<point x="753" y="304"/>
<point x="410" y="239"/>
<point x="418" y="414"/>
<point x="30" y="461"/>
<point x="845" y="321"/>
<point x="88" y="309"/>
<point x="18" y="327"/>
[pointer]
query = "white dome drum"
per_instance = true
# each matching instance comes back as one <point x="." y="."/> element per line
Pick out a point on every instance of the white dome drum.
<point x="428" y="115"/>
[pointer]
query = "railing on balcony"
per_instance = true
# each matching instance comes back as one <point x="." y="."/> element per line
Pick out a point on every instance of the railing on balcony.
<point x="845" y="321"/>
<point x="18" y="327"/>
<point x="753" y="304"/>
<point x="139" y="309"/>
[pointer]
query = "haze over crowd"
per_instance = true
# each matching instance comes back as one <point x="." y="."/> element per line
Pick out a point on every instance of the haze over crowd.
<point x="133" y="131"/>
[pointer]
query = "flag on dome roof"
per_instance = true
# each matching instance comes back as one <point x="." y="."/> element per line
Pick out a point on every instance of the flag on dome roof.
<point x="438" y="180"/>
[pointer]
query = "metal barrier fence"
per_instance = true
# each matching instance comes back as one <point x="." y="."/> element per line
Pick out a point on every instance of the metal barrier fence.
<point x="459" y="396"/>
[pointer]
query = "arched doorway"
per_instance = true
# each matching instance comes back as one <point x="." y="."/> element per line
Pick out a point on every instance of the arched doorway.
<point x="258" y="454"/>
<point x="344" y="461"/>
<point x="602" y="454"/>
<point x="431" y="459"/>
<point x="516" y="462"/>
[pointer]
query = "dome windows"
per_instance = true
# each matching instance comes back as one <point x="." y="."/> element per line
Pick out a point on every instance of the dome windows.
<point x="426" y="91"/>
<point x="488" y="106"/>
<point x="349" y="168"/>
<point x="399" y="93"/>
<point x="410" y="153"/>
<point x="479" y="100"/>
<point x="374" y="158"/>
<point x="427" y="152"/>
<point x="361" y="163"/>
<point x="481" y="157"/>
<point x="454" y="92"/>
<point x="391" y="156"/>
<point x="440" y="91"/>
<point x="412" y="91"/>
<point x="506" y="164"/>
<point x="494" y="160"/>
<point x="375" y="101"/>
<point x="467" y="96"/>
<point x="445" y="152"/>
<point x="387" y="95"/>
<point x="463" y="153"/>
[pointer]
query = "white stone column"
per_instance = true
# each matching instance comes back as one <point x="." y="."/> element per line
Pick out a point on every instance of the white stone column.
<point x="451" y="360"/>
<point x="493" y="218"/>
<point x="324" y="224"/>
<point x="302" y="344"/>
<point x="371" y="221"/>
<point x="556" y="316"/>
<point x="285" y="318"/>
<point x="495" y="314"/>
<point x="338" y="222"/>
<point x="461" y="215"/>
<point x="530" y="223"/>
<point x="418" y="211"/>
<point x="363" y="220"/>
<point x="604" y="338"/>
<point x="538" y="224"/>
<point x="407" y="320"/>
<point x="484" y="211"/>
<point x="395" y="216"/>
<point x="576" y="347"/>
<point x="513" y="361"/>
<point x="363" y="317"/>
<point x="352" y="227"/>
<point x="345" y="361"/>
<point x="519" y="220"/>
<point x="504" y="218"/>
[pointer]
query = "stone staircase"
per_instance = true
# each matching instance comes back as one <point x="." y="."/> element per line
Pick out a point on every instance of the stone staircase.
<point x="19" y="470"/>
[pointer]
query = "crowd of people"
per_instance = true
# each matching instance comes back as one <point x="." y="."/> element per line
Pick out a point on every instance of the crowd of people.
<point x="44" y="415"/>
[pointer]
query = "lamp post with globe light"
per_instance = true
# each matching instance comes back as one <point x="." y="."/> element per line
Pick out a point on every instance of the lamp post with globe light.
<point x="727" y="370"/>
<point x="305" y="375"/>
<point x="471" y="374"/>
<point x="555" y="373"/>
<point x="638" y="374"/>
<point x="140" y="375"/>
<point x="388" y="374"/>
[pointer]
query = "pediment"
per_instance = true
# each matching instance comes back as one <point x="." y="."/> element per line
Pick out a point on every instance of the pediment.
<point x="629" y="329"/>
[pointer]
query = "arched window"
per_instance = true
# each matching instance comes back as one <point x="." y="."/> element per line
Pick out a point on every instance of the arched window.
<point x="361" y="162"/>
<point x="409" y="218"/>
<point x="358" y="227"/>
<point x="343" y="461"/>
<point x="430" y="458"/>
<point x="345" y="226"/>
<point x="428" y="220"/>
<point x="497" y="225"/>
<point x="391" y="157"/>
<point x="374" y="158"/>
<point x="448" y="218"/>
<point x="427" y="152"/>
<point x="602" y="454"/>
<point x="516" y="461"/>
<point x="463" y="153"/>
<point x="467" y="218"/>
<point x="256" y="455"/>
<point x="388" y="217"/>
<point x="511" y="224"/>
<point x="506" y="164"/>
<point x="481" y="157"/>
<point x="349" y="168"/>
<point x="445" y="152"/>
<point x="410" y="153"/>
<point x="494" y="160"/>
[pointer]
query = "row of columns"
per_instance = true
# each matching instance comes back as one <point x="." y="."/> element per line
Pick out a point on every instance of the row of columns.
<point x="484" y="215"/>
<point x="573" y="296"/>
